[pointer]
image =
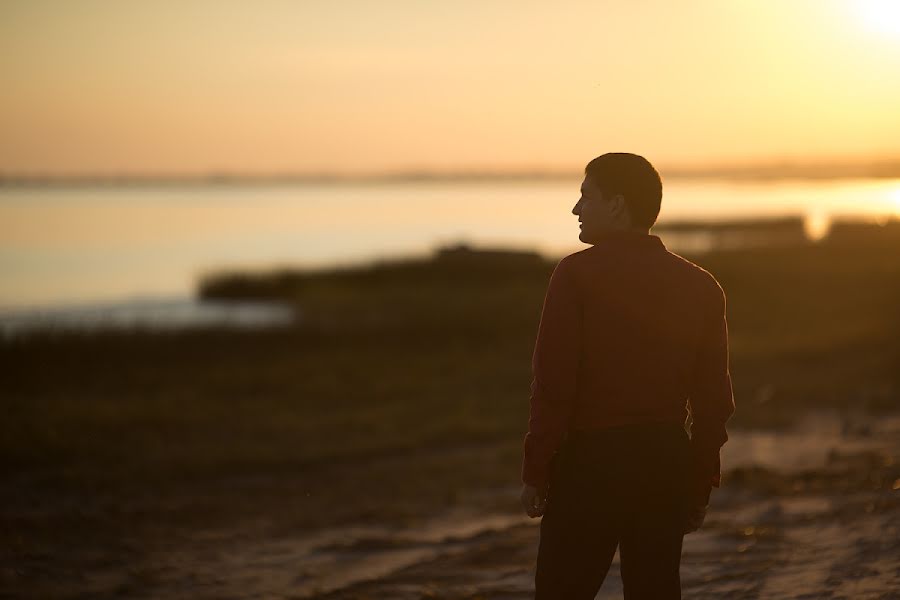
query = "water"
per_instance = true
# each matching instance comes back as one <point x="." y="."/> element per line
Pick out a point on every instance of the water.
<point x="145" y="314"/>
<point x="102" y="244"/>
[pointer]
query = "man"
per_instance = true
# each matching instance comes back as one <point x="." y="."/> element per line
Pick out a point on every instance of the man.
<point x="632" y="342"/>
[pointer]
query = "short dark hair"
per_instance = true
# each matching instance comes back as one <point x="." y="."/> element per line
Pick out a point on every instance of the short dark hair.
<point x="632" y="176"/>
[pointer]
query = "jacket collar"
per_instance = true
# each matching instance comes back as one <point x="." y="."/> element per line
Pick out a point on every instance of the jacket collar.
<point x="628" y="238"/>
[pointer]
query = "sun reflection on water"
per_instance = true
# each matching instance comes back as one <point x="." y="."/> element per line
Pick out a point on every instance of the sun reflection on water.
<point x="895" y="200"/>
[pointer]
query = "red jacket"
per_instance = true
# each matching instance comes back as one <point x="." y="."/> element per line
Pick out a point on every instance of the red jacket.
<point x="630" y="333"/>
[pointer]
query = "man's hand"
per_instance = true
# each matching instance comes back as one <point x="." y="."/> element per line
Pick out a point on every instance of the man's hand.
<point x="697" y="505"/>
<point x="534" y="501"/>
<point x="694" y="519"/>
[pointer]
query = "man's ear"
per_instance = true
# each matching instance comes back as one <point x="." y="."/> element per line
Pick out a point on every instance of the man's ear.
<point x="618" y="204"/>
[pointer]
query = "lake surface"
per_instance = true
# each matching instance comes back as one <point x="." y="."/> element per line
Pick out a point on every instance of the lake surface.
<point x="122" y="243"/>
<point x="147" y="314"/>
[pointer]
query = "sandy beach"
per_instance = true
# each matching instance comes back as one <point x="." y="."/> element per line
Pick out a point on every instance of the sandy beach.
<point x="830" y="529"/>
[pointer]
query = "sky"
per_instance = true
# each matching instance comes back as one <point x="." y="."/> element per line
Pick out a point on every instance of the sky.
<point x="184" y="87"/>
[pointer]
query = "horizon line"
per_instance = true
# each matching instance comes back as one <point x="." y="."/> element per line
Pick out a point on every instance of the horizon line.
<point x="770" y="170"/>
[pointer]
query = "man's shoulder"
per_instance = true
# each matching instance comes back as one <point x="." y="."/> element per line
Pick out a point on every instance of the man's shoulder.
<point x="672" y="262"/>
<point x="575" y="259"/>
<point x="701" y="276"/>
<point x="581" y="265"/>
<point x="576" y="264"/>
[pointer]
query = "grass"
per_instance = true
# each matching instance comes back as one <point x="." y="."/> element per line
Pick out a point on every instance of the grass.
<point x="406" y="355"/>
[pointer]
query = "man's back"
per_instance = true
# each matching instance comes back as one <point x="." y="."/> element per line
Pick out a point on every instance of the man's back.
<point x="644" y="311"/>
<point x="629" y="333"/>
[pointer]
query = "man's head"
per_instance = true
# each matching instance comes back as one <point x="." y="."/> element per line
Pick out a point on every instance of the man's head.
<point x="619" y="191"/>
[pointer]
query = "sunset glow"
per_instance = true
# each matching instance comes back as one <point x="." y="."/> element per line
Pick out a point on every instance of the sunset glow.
<point x="895" y="196"/>
<point x="881" y="16"/>
<point x="367" y="87"/>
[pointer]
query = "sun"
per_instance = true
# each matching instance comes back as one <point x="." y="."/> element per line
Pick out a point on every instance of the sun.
<point x="882" y="16"/>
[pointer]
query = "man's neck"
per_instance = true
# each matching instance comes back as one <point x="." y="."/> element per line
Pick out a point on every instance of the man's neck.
<point x="627" y="230"/>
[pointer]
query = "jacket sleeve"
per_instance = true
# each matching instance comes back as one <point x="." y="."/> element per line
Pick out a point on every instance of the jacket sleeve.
<point x="555" y="364"/>
<point x="711" y="399"/>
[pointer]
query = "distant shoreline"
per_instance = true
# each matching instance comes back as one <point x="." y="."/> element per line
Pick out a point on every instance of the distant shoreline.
<point x="883" y="169"/>
<point x="691" y="237"/>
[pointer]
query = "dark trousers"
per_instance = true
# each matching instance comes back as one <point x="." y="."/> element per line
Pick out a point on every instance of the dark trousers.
<point x="624" y="487"/>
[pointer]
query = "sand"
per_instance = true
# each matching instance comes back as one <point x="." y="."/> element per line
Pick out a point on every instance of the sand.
<point x="825" y="526"/>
